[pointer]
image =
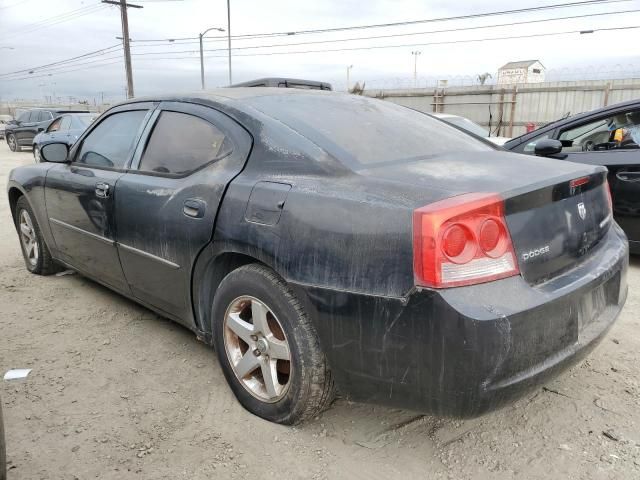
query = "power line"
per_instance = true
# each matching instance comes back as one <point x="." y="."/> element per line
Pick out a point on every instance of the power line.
<point x="450" y="42"/>
<point x="46" y="23"/>
<point x="394" y="35"/>
<point x="84" y="55"/>
<point x="404" y="23"/>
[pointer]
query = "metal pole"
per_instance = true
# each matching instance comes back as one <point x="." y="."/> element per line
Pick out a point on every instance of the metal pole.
<point x="201" y="64"/>
<point x="348" y="77"/>
<point x="127" y="47"/>
<point x="229" y="37"/>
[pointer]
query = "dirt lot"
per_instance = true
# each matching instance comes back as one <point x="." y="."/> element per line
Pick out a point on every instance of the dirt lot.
<point x="117" y="392"/>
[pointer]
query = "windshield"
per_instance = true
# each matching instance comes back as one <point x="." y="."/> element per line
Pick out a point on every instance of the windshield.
<point x="362" y="131"/>
<point x="467" y="125"/>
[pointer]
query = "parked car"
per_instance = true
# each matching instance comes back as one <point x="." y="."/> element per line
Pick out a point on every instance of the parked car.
<point x="4" y="119"/>
<point x="66" y="128"/>
<point x="282" y="82"/>
<point x="469" y="126"/>
<point x="316" y="237"/>
<point x="607" y="136"/>
<point x="20" y="132"/>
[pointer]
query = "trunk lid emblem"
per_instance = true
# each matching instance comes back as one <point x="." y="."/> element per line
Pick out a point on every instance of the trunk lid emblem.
<point x="582" y="210"/>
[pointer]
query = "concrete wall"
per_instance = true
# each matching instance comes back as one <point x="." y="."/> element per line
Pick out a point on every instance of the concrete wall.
<point x="513" y="107"/>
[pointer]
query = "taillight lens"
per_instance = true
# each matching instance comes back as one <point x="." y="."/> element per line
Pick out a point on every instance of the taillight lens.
<point x="609" y="198"/>
<point x="461" y="241"/>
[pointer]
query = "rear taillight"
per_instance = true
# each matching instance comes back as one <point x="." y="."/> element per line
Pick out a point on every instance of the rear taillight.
<point x="609" y="198"/>
<point x="461" y="241"/>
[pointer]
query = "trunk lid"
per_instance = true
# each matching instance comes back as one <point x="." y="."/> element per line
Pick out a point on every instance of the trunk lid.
<point x="556" y="226"/>
<point x="553" y="223"/>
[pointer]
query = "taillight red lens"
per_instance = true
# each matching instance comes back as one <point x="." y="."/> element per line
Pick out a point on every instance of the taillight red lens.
<point x="455" y="240"/>
<point x="609" y="198"/>
<point x="490" y="233"/>
<point x="461" y="241"/>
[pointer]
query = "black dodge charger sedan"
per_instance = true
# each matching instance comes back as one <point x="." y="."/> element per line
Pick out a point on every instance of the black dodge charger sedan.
<point x="322" y="240"/>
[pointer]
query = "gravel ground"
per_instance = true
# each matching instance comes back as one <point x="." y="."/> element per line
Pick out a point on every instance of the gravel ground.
<point x="117" y="392"/>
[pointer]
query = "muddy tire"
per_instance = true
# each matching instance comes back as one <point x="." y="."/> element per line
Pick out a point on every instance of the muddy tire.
<point x="36" y="254"/>
<point x="268" y="347"/>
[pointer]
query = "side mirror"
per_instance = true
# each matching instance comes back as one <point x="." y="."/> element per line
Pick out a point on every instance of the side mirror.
<point x="55" y="152"/>
<point x="548" y="146"/>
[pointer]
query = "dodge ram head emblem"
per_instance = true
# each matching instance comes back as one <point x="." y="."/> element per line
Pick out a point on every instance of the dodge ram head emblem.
<point x="582" y="211"/>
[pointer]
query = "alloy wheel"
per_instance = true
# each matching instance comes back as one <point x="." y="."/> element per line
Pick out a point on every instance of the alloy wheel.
<point x="11" y="140"/>
<point x="257" y="349"/>
<point x="28" y="238"/>
<point x="36" y="153"/>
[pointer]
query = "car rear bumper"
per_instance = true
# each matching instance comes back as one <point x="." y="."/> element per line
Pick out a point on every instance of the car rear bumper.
<point x="464" y="351"/>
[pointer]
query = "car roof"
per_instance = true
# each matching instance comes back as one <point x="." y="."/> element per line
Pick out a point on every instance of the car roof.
<point x="276" y="81"/>
<point x="574" y="118"/>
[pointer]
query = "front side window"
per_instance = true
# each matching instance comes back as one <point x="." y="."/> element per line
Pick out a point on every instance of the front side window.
<point x="55" y="125"/>
<point x="24" y="117"/>
<point x="619" y="131"/>
<point x="66" y="123"/>
<point x="530" y="146"/>
<point x="112" y="142"/>
<point x="182" y="143"/>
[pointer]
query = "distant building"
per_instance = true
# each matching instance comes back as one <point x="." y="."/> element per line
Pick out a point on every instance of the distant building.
<point x="526" y="71"/>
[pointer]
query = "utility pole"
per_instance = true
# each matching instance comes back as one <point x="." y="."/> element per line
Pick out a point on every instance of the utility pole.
<point x="229" y="37"/>
<point x="415" y="67"/>
<point x="348" y="80"/>
<point x="125" y="40"/>
<point x="201" y="35"/>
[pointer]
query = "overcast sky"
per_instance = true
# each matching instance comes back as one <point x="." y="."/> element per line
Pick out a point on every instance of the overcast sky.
<point x="28" y="38"/>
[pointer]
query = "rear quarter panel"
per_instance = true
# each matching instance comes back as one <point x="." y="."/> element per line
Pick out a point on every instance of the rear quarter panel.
<point x="30" y="181"/>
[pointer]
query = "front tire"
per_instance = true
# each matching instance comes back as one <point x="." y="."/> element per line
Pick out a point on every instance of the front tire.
<point x="12" y="142"/>
<point x="268" y="347"/>
<point x="36" y="255"/>
<point x="36" y="154"/>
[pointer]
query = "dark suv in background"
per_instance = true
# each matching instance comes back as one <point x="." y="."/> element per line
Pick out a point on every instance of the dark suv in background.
<point x="20" y="132"/>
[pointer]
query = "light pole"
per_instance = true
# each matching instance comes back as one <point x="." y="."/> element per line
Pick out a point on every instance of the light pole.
<point x="415" y="67"/>
<point x="229" y="37"/>
<point x="202" y="55"/>
<point x="348" y="72"/>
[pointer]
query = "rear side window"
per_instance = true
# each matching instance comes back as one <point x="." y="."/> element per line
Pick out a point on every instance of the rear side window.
<point x="181" y="143"/>
<point x="111" y="143"/>
<point x="362" y="131"/>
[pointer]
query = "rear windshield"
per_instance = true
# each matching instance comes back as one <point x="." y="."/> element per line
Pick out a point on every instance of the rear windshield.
<point x="363" y="131"/>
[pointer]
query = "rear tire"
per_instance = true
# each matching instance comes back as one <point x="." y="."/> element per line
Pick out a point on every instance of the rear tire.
<point x="12" y="142"/>
<point x="35" y="252"/>
<point x="257" y="324"/>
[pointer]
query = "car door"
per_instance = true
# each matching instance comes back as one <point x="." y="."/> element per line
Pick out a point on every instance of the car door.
<point x="167" y="203"/>
<point x="26" y="127"/>
<point x="63" y="134"/>
<point x="50" y="133"/>
<point x="612" y="141"/>
<point x="80" y="196"/>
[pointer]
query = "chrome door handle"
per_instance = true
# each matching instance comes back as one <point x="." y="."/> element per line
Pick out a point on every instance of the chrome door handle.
<point x="102" y="189"/>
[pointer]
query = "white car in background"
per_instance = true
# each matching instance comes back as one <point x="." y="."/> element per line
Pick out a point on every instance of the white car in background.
<point x="470" y="126"/>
